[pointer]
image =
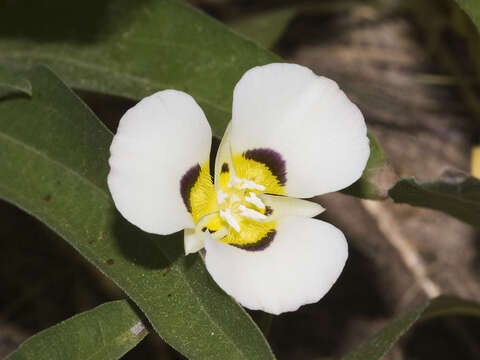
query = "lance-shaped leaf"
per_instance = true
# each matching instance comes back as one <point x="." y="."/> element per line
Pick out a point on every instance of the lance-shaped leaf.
<point x="135" y="48"/>
<point x="454" y="193"/>
<point x="377" y="346"/>
<point x="11" y="83"/>
<point x="106" y="332"/>
<point x="265" y="28"/>
<point x="472" y="8"/>
<point x="53" y="156"/>
<point x="132" y="49"/>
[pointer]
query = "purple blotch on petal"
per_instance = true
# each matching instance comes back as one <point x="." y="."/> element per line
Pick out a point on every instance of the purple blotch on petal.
<point x="259" y="245"/>
<point x="186" y="184"/>
<point x="272" y="159"/>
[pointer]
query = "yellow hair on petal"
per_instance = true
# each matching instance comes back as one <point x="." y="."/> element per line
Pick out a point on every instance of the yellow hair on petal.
<point x="252" y="232"/>
<point x="215" y="222"/>
<point x="223" y="179"/>
<point x="259" y="173"/>
<point x="203" y="198"/>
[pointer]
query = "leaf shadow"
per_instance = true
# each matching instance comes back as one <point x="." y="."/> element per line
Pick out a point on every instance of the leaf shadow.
<point x="13" y="94"/>
<point x="146" y="250"/>
<point x="58" y="20"/>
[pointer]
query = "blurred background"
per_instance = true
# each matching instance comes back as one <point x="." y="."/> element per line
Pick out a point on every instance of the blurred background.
<point x="413" y="68"/>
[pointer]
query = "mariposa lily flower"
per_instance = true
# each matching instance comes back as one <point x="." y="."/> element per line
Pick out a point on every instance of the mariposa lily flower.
<point x="292" y="135"/>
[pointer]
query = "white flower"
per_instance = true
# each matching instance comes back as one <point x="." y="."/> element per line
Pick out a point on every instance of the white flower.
<point x="292" y="135"/>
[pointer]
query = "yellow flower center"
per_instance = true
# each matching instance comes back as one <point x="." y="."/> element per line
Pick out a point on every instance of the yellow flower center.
<point x="240" y="201"/>
<point x="233" y="211"/>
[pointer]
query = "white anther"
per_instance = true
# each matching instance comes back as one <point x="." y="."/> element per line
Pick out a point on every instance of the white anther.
<point x="252" y="198"/>
<point x="228" y="217"/>
<point x="221" y="196"/>
<point x="248" y="184"/>
<point x="234" y="181"/>
<point x="250" y="213"/>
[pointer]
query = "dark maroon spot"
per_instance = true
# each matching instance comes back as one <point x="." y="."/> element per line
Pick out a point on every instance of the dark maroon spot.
<point x="103" y="233"/>
<point x="47" y="197"/>
<point x="210" y="230"/>
<point x="225" y="168"/>
<point x="262" y="244"/>
<point x="110" y="262"/>
<point x="272" y="159"/>
<point x="91" y="241"/>
<point x="268" y="210"/>
<point x="186" y="184"/>
<point x="166" y="271"/>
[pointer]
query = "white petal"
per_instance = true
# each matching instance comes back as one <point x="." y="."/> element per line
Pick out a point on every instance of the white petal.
<point x="308" y="120"/>
<point x="282" y="206"/>
<point x="157" y="141"/>
<point x="301" y="264"/>
<point x="191" y="241"/>
<point x="224" y="156"/>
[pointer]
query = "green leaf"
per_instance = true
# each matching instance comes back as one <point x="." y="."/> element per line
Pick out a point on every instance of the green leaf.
<point x="107" y="332"/>
<point x="11" y="83"/>
<point x="265" y="28"/>
<point x="54" y="166"/>
<point x="368" y="185"/>
<point x="132" y="49"/>
<point x="377" y="346"/>
<point x="454" y="193"/>
<point x="472" y="8"/>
